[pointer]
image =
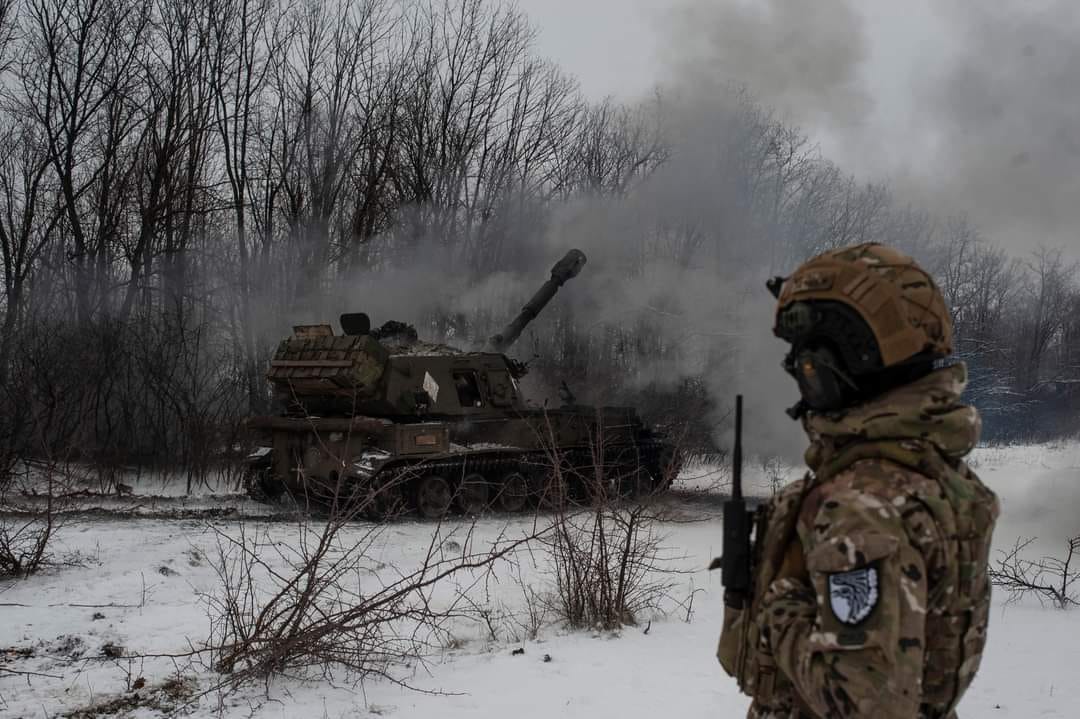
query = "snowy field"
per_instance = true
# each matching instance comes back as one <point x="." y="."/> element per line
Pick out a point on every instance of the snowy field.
<point x="134" y="588"/>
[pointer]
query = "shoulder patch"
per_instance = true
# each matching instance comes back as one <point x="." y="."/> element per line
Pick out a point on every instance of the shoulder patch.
<point x="853" y="594"/>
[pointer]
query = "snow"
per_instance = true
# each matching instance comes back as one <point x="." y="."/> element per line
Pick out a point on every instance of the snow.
<point x="145" y="577"/>
<point x="481" y="446"/>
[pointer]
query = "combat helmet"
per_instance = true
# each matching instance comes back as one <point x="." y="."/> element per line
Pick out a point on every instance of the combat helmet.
<point x="860" y="320"/>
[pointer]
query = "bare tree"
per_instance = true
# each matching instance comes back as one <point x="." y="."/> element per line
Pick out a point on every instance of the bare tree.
<point x="25" y="224"/>
<point x="245" y="35"/>
<point x="1049" y="292"/>
<point x="207" y="170"/>
<point x="81" y="88"/>
<point x="1048" y="578"/>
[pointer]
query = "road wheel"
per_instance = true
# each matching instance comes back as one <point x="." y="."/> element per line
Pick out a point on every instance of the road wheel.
<point x="472" y="495"/>
<point x="385" y="498"/>
<point x="433" y="496"/>
<point x="513" y="493"/>
<point x="637" y="482"/>
<point x="261" y="485"/>
<point x="668" y="464"/>
<point x="556" y="491"/>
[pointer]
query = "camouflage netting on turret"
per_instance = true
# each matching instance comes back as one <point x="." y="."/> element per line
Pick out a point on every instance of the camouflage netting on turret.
<point x="321" y="366"/>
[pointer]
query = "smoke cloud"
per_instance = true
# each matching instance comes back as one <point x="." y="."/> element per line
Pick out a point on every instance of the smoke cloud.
<point x="708" y="302"/>
<point x="964" y="108"/>
<point x="1006" y="121"/>
<point x="801" y="58"/>
<point x="988" y="129"/>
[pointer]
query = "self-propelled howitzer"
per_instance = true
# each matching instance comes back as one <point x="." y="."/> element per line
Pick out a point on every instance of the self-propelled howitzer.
<point x="392" y="424"/>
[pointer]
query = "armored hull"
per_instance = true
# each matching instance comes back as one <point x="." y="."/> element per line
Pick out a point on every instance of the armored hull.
<point x="391" y="424"/>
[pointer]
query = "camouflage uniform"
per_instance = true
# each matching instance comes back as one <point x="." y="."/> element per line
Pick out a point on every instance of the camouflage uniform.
<point x="870" y="595"/>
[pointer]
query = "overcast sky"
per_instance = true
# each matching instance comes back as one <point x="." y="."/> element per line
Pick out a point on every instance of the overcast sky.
<point x="965" y="106"/>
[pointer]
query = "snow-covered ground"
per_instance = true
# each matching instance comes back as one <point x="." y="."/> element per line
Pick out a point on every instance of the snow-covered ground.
<point x="137" y="583"/>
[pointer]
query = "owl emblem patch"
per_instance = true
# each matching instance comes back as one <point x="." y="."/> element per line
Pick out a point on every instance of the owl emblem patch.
<point x="853" y="595"/>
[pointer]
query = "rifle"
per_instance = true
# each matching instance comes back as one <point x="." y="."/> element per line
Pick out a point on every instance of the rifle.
<point x="736" y="572"/>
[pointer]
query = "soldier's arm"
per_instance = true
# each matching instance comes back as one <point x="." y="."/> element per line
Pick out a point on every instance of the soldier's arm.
<point x="852" y="641"/>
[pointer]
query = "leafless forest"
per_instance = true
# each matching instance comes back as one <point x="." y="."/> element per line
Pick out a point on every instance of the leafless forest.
<point x="180" y="180"/>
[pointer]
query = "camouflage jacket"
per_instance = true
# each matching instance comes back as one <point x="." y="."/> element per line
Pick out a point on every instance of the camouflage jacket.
<point x="884" y="614"/>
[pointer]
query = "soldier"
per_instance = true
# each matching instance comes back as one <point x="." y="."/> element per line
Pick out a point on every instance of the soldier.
<point x="870" y="595"/>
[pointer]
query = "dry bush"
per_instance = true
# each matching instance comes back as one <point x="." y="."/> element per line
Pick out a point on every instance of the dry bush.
<point x="608" y="565"/>
<point x="121" y="396"/>
<point x="510" y="621"/>
<point x="1047" y="578"/>
<point x="24" y="543"/>
<point x="32" y="506"/>
<point x="322" y="601"/>
<point x="775" y="472"/>
<point x="607" y="561"/>
<point x="527" y="623"/>
<point x="15" y="425"/>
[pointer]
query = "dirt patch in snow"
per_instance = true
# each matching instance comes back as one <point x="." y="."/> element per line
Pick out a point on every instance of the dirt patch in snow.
<point x="166" y="698"/>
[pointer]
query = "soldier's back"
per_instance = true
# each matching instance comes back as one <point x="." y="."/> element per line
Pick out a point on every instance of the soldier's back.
<point x="910" y="519"/>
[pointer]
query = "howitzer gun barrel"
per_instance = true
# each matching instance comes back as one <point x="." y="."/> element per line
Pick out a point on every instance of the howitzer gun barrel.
<point x="564" y="269"/>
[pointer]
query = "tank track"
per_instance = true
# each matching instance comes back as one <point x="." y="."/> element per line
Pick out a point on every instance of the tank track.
<point x="505" y="481"/>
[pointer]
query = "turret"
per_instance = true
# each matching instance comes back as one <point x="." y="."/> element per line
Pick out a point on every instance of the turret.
<point x="563" y="270"/>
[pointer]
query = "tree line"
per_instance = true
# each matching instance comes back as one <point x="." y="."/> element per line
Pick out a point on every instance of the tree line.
<point x="180" y="179"/>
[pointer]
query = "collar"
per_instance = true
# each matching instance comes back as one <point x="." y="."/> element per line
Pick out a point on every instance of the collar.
<point x="927" y="409"/>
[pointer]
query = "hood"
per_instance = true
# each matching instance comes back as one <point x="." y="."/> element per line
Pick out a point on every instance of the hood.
<point x="928" y="409"/>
